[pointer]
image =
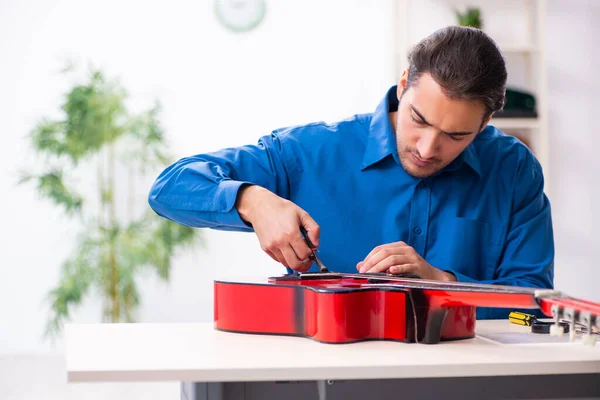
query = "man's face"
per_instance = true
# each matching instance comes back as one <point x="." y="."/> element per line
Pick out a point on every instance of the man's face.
<point x="432" y="129"/>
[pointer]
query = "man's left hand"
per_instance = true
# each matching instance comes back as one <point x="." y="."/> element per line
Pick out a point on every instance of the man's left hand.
<point x="399" y="258"/>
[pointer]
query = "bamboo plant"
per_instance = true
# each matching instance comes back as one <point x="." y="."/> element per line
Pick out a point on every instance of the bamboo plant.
<point x="121" y="237"/>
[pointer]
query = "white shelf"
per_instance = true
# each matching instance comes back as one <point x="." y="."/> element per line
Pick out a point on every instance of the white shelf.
<point x="515" y="123"/>
<point x="526" y="53"/>
<point x="518" y="49"/>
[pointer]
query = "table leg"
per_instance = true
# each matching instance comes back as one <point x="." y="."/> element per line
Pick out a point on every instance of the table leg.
<point x="202" y="391"/>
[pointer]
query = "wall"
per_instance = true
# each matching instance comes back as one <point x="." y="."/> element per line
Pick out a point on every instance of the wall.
<point x="308" y="61"/>
<point x="573" y="101"/>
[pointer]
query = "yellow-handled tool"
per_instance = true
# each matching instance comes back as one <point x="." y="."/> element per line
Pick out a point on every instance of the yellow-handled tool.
<point x="521" y="318"/>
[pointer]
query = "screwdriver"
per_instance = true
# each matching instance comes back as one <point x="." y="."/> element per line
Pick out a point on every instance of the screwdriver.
<point x="313" y="250"/>
<point x="521" y="318"/>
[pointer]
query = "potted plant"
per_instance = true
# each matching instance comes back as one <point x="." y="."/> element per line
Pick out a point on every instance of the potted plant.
<point x="120" y="236"/>
<point x="471" y="17"/>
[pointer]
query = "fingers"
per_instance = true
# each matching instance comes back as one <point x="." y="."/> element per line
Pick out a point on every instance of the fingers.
<point x="359" y="265"/>
<point x="402" y="269"/>
<point x="300" y="247"/>
<point x="302" y="253"/>
<point x="393" y="265"/>
<point x="313" y="229"/>
<point x="379" y="254"/>
<point x="306" y="264"/>
<point x="387" y="262"/>
<point x="277" y="256"/>
<point x="385" y="246"/>
<point x="281" y="238"/>
<point x="299" y="256"/>
<point x="292" y="260"/>
<point x="291" y="251"/>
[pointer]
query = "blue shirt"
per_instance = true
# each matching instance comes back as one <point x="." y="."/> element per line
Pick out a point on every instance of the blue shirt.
<point x="484" y="218"/>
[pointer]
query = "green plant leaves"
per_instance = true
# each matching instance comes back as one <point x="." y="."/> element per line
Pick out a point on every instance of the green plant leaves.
<point x="111" y="252"/>
<point x="148" y="243"/>
<point x="77" y="275"/>
<point x="94" y="114"/>
<point x="51" y="186"/>
<point x="471" y="17"/>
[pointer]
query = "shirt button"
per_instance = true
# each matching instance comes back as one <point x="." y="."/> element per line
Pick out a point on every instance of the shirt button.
<point x="417" y="231"/>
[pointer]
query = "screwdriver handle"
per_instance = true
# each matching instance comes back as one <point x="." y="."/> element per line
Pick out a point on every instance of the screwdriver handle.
<point x="521" y="318"/>
<point x="306" y="239"/>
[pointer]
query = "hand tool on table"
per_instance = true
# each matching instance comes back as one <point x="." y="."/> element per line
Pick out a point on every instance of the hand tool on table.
<point x="521" y="318"/>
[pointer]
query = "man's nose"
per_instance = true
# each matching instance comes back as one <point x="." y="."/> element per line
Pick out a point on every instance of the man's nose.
<point x="427" y="145"/>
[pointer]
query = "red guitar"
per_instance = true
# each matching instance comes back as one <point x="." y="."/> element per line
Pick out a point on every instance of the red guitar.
<point x="342" y="308"/>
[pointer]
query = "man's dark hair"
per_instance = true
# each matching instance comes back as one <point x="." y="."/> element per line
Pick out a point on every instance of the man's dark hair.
<point x="465" y="62"/>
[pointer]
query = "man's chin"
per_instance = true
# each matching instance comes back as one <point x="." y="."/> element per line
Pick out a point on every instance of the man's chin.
<point x="418" y="171"/>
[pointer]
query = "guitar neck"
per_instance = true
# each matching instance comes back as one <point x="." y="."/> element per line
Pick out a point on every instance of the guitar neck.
<point x="552" y="303"/>
<point x="574" y="310"/>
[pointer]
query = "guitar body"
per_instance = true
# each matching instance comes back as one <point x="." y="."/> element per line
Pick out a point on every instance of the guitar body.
<point x="334" y="310"/>
<point x="346" y="308"/>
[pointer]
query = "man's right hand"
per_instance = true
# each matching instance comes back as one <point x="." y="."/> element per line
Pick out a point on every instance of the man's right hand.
<point x="276" y="222"/>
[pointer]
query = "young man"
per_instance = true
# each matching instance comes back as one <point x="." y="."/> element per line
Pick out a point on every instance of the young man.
<point x="422" y="185"/>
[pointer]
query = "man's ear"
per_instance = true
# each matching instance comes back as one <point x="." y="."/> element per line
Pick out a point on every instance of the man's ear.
<point x="485" y="122"/>
<point x="402" y="83"/>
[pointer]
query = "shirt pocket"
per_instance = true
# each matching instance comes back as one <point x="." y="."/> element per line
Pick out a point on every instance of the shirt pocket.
<point x="475" y="230"/>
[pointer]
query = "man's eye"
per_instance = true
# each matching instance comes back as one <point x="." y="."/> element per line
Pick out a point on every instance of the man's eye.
<point x="455" y="138"/>
<point x="418" y="121"/>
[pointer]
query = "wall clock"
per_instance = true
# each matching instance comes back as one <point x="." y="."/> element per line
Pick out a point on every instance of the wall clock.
<point x="240" y="15"/>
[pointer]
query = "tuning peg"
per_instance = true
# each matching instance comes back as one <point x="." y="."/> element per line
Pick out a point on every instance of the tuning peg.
<point x="572" y="316"/>
<point x="589" y="320"/>
<point x="589" y="339"/>
<point x="572" y="333"/>
<point x="557" y="329"/>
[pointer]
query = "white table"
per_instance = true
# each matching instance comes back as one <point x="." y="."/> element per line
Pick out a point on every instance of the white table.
<point x="503" y="360"/>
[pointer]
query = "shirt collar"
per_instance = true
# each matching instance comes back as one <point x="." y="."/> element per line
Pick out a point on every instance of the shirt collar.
<point x="382" y="138"/>
<point x="469" y="157"/>
<point x="381" y="141"/>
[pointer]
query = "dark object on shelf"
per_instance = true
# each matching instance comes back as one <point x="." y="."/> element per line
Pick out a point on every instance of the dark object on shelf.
<point x="519" y="104"/>
<point x="544" y="327"/>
